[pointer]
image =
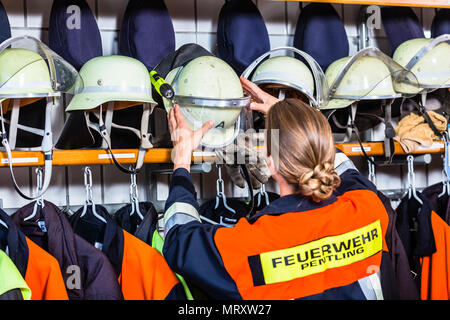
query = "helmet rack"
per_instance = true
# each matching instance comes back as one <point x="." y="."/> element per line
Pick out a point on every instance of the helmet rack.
<point x="163" y="155"/>
<point x="406" y="3"/>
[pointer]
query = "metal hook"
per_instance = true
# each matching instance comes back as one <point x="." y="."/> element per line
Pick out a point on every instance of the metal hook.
<point x="134" y="197"/>
<point x="412" y="180"/>
<point x="372" y="176"/>
<point x="89" y="198"/>
<point x="262" y="192"/>
<point x="40" y="201"/>
<point x="220" y="192"/>
<point x="445" y="174"/>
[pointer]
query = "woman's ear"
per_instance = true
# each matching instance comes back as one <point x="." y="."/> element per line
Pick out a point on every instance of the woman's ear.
<point x="271" y="165"/>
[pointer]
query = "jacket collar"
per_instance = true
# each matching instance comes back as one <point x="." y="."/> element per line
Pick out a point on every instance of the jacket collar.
<point x="292" y="203"/>
<point x="17" y="244"/>
<point x="57" y="234"/>
<point x="112" y="241"/>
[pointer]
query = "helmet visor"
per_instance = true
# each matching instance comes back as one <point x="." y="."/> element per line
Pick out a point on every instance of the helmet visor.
<point x="229" y="116"/>
<point x="36" y="70"/>
<point x="372" y="75"/>
<point x="435" y="71"/>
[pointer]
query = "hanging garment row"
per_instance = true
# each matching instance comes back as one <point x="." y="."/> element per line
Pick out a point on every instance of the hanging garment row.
<point x="423" y="226"/>
<point x="89" y="255"/>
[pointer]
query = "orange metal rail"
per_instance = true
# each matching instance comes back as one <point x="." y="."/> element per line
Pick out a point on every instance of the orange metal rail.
<point x="407" y="3"/>
<point x="163" y="155"/>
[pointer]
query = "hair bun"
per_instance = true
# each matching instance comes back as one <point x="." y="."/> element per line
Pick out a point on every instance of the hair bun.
<point x="320" y="182"/>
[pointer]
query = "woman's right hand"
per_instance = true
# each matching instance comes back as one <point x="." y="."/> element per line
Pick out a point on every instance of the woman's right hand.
<point x="261" y="100"/>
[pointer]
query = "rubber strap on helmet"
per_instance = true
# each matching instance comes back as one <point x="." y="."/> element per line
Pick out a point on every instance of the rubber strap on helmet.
<point x="46" y="147"/>
<point x="250" y="188"/>
<point x="389" y="133"/>
<point x="145" y="140"/>
<point x="354" y="128"/>
<point x="423" y="112"/>
<point x="13" y="123"/>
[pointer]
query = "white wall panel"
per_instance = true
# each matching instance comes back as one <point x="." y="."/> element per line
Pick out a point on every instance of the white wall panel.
<point x="194" y="21"/>
<point x="8" y="195"/>
<point x="293" y="11"/>
<point x="183" y="15"/>
<point x="274" y="15"/>
<point x="182" y="38"/>
<point x="110" y="42"/>
<point x="38" y="13"/>
<point x="110" y="14"/>
<point x="208" y="15"/>
<point x="208" y="41"/>
<point x="15" y="11"/>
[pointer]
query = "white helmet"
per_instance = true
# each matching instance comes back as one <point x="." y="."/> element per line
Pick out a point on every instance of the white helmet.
<point x="30" y="71"/>
<point x="428" y="59"/>
<point x="112" y="83"/>
<point x="368" y="75"/>
<point x="279" y="73"/>
<point x="207" y="88"/>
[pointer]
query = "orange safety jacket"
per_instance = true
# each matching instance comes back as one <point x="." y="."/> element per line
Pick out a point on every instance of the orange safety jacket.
<point x="426" y="238"/>
<point x="294" y="248"/>
<point x="43" y="275"/>
<point x="142" y="272"/>
<point x="39" y="269"/>
<point x="145" y="274"/>
<point x="435" y="275"/>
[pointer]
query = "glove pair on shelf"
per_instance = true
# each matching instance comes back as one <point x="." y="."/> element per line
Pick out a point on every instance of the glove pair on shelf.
<point x="413" y="130"/>
<point x="245" y="152"/>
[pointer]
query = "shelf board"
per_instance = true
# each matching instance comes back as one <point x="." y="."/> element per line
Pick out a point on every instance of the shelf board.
<point x="163" y="155"/>
<point x="377" y="148"/>
<point x="405" y="3"/>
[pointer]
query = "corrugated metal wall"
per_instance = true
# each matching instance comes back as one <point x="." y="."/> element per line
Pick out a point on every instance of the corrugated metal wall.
<point x="194" y="21"/>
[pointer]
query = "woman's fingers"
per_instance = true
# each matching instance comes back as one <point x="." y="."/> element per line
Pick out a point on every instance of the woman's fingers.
<point x="251" y="88"/>
<point x="172" y="120"/>
<point x="206" y="126"/>
<point x="181" y="122"/>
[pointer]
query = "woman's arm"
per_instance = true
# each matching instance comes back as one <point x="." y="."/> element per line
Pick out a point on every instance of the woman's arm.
<point x="189" y="246"/>
<point x="261" y="100"/>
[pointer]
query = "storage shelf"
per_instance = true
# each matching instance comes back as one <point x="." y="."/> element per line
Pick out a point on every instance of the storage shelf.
<point x="405" y="3"/>
<point x="377" y="148"/>
<point x="163" y="155"/>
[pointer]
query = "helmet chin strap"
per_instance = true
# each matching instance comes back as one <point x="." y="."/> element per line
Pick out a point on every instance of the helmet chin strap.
<point x="46" y="148"/>
<point x="144" y="136"/>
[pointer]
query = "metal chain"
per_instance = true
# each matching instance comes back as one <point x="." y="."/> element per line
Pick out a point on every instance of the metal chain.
<point x="88" y="184"/>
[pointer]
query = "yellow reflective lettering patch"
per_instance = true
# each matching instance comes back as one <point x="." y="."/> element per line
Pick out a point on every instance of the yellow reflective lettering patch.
<point x="318" y="255"/>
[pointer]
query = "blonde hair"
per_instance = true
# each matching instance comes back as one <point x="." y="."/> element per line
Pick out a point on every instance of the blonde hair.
<point x="305" y="146"/>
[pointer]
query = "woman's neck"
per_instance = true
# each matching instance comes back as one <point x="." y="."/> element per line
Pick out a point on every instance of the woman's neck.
<point x="286" y="188"/>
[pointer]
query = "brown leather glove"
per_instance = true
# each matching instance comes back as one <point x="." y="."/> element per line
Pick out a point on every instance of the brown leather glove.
<point x="245" y="152"/>
<point x="413" y="131"/>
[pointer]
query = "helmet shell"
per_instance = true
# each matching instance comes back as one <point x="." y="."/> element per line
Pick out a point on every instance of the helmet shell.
<point x="368" y="78"/>
<point x="433" y="68"/>
<point x="208" y="77"/>
<point x="111" y="78"/>
<point x="24" y="74"/>
<point x="287" y="71"/>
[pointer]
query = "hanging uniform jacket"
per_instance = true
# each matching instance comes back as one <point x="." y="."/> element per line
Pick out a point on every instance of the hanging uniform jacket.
<point x="87" y="273"/>
<point x="221" y="214"/>
<point x="294" y="248"/>
<point x="439" y="204"/>
<point x="39" y="269"/>
<point x="426" y="238"/>
<point x="12" y="284"/>
<point x="141" y="271"/>
<point x="133" y="223"/>
<point x="406" y="286"/>
<point x="146" y="230"/>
